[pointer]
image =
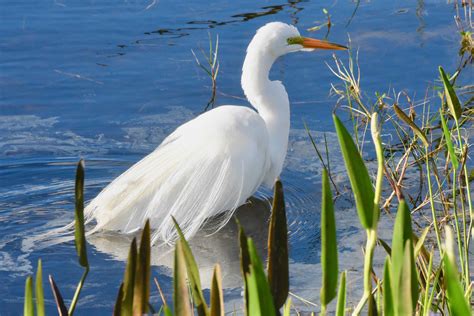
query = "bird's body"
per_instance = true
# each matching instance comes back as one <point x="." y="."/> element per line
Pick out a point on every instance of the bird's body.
<point x="214" y="162"/>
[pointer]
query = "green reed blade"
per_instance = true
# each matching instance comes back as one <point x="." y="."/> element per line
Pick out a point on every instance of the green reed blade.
<point x="329" y="262"/>
<point x="449" y="142"/>
<point x="278" y="268"/>
<point x="28" y="309"/>
<point x="358" y="176"/>
<point x="182" y="305"/>
<point x="458" y="305"/>
<point x="401" y="115"/>
<point x="388" y="308"/>
<point x="39" y="292"/>
<point x="341" y="296"/>
<point x="260" y="296"/>
<point x="451" y="98"/>
<point x="141" y="289"/>
<point x="193" y="274"/>
<point x="129" y="280"/>
<point x="217" y="294"/>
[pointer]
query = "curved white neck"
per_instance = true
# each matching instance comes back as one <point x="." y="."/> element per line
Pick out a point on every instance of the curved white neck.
<point x="271" y="101"/>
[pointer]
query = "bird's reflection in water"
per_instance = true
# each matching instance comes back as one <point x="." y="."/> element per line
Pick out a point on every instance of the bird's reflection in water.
<point x="208" y="248"/>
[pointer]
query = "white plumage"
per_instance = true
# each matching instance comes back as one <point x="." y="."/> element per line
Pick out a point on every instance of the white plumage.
<point x="214" y="162"/>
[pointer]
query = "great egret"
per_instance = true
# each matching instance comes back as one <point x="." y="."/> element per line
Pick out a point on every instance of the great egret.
<point x="214" y="162"/>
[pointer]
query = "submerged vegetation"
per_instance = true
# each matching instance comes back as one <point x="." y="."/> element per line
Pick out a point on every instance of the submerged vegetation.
<point x="421" y="171"/>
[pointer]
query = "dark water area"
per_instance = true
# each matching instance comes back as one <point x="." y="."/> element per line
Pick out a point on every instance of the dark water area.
<point x="107" y="81"/>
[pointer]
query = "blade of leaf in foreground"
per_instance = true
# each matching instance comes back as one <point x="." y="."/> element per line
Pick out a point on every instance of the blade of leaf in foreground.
<point x="141" y="290"/>
<point x="39" y="292"/>
<point x="118" y="302"/>
<point x="217" y="294"/>
<point x="329" y="262"/>
<point x="62" y="310"/>
<point x="358" y="176"/>
<point x="449" y="143"/>
<point x="401" y="115"/>
<point x="456" y="300"/>
<point x="278" y="269"/>
<point x="451" y="98"/>
<point x="258" y="281"/>
<point x="387" y="289"/>
<point x="181" y="295"/>
<point x="193" y="274"/>
<point x="402" y="233"/>
<point x="244" y="262"/>
<point x="80" y="239"/>
<point x="129" y="280"/>
<point x="28" y="309"/>
<point x="341" y="296"/>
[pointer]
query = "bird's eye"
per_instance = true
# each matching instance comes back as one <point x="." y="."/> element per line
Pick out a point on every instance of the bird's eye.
<point x="296" y="40"/>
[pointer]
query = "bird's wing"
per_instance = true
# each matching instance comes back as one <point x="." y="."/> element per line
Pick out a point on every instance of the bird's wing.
<point x="208" y="165"/>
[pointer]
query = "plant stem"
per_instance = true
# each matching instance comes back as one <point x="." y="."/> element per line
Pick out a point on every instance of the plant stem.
<point x="369" y="254"/>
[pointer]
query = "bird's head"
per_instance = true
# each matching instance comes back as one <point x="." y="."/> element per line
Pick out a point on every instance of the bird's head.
<point x="279" y="38"/>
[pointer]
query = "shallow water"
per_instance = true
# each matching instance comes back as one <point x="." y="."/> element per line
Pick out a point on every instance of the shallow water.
<point x="107" y="81"/>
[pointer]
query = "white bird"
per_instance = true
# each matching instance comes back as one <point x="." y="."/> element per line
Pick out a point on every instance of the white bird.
<point x="215" y="162"/>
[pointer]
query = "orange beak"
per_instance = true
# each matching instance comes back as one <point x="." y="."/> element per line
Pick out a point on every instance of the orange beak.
<point x="314" y="43"/>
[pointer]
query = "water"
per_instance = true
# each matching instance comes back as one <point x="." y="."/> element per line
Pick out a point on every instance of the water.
<point x="107" y="81"/>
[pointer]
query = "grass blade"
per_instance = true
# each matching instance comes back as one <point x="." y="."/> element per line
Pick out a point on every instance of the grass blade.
<point x="358" y="176"/>
<point x="39" y="292"/>
<point x="260" y="297"/>
<point x="341" y="296"/>
<point x="457" y="303"/>
<point x="244" y="262"/>
<point x="402" y="237"/>
<point x="129" y="280"/>
<point x="181" y="294"/>
<point x="141" y="290"/>
<point x="388" y="308"/>
<point x="451" y="98"/>
<point x="58" y="298"/>
<point x="118" y="302"/>
<point x="80" y="239"/>
<point x="278" y="269"/>
<point x="28" y="308"/>
<point x="401" y="115"/>
<point x="449" y="143"/>
<point x="329" y="262"/>
<point x="217" y="294"/>
<point x="193" y="274"/>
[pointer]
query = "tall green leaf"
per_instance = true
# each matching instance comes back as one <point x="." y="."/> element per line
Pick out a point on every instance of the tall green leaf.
<point x="217" y="294"/>
<point x="118" y="302"/>
<point x="341" y="296"/>
<point x="260" y="297"/>
<point x="451" y="98"/>
<point x="458" y="305"/>
<point x="402" y="237"/>
<point x="80" y="239"/>
<point x="244" y="262"/>
<point x="449" y="143"/>
<point x="401" y="115"/>
<point x="141" y="290"/>
<point x="129" y="280"/>
<point x="79" y="233"/>
<point x="28" y="309"/>
<point x="358" y="176"/>
<point x="181" y="294"/>
<point x="39" y="292"/>
<point x="193" y="274"/>
<point x="278" y="269"/>
<point x="388" y="308"/>
<point x="329" y="262"/>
